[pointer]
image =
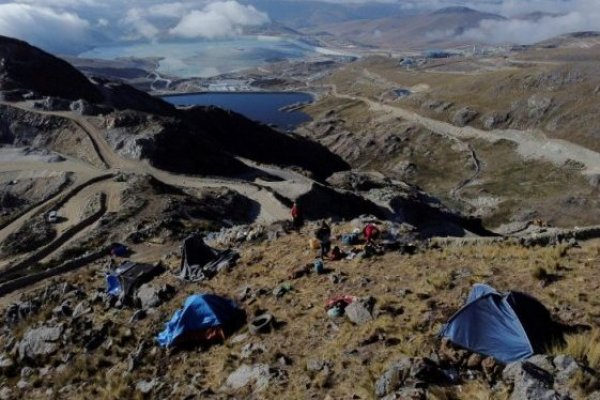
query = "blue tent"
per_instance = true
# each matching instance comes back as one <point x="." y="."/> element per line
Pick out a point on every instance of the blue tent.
<point x="200" y="312"/>
<point x="509" y="327"/>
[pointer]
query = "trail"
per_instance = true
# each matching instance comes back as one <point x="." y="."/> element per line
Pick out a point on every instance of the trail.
<point x="530" y="144"/>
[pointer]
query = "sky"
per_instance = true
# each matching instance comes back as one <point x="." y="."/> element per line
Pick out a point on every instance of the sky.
<point x="72" y="26"/>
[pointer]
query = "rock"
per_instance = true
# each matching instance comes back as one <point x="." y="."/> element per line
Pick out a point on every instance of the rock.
<point x="407" y="394"/>
<point x="474" y="361"/>
<point x="490" y="368"/>
<point x="26" y="372"/>
<point x="464" y="116"/>
<point x="562" y="361"/>
<point x="7" y="364"/>
<point x="23" y="385"/>
<point x="82" y="107"/>
<point x="538" y="105"/>
<point x="493" y="120"/>
<point x="146" y="387"/>
<point x="81" y="309"/>
<point x="252" y="349"/>
<point x="315" y="365"/>
<point x="52" y="104"/>
<point x="358" y="313"/>
<point x="529" y="381"/>
<point x="542" y="361"/>
<point x="40" y="342"/>
<point x="137" y="316"/>
<point x="257" y="375"/>
<point x="393" y="378"/>
<point x="150" y="296"/>
<point x="6" y="393"/>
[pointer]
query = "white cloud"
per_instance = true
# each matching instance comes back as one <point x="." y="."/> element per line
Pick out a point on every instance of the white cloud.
<point x="219" y="19"/>
<point x="41" y="26"/>
<point x="573" y="16"/>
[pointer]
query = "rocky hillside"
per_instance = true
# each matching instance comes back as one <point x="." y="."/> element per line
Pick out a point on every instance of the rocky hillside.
<point x="196" y="141"/>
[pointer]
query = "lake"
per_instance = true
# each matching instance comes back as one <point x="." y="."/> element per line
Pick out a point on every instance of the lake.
<point x="265" y="107"/>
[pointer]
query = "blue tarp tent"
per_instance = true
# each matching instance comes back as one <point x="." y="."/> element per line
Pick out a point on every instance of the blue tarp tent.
<point x="122" y="281"/>
<point x="509" y="327"/>
<point x="200" y="312"/>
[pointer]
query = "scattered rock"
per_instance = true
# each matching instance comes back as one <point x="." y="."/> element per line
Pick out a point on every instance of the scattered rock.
<point x="146" y="387"/>
<point x="252" y="349"/>
<point x="529" y="381"/>
<point x="359" y="312"/>
<point x="464" y="116"/>
<point x="40" y="342"/>
<point x="150" y="296"/>
<point x="6" y="393"/>
<point x="257" y="375"/>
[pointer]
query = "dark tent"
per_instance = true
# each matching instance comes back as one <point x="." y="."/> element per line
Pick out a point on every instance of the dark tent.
<point x="203" y="318"/>
<point x="509" y="326"/>
<point x="123" y="280"/>
<point x="199" y="261"/>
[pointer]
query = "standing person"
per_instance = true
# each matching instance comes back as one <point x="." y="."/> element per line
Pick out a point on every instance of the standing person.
<point x="371" y="232"/>
<point x="324" y="236"/>
<point x="297" y="219"/>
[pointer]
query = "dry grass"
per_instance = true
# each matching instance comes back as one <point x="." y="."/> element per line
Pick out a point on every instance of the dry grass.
<point x="438" y="281"/>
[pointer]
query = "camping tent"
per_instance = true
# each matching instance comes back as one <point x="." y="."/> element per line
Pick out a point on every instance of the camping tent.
<point x="199" y="262"/>
<point x="200" y="317"/>
<point x="509" y="327"/>
<point x="123" y="280"/>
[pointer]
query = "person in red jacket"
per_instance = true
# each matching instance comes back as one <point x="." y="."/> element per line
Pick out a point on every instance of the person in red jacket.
<point x="371" y="232"/>
<point x="297" y="219"/>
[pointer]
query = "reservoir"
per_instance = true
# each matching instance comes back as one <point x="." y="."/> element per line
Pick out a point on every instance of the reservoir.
<point x="265" y="107"/>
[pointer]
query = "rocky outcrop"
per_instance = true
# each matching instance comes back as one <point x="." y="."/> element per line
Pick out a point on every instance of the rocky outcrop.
<point x="464" y="116"/>
<point x="26" y="67"/>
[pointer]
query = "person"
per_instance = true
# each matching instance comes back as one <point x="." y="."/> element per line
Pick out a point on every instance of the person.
<point x="336" y="254"/>
<point x="371" y="232"/>
<point x="297" y="219"/>
<point x="324" y="235"/>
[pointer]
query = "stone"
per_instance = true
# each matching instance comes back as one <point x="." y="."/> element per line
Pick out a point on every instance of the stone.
<point x="358" y="313"/>
<point x="137" y="316"/>
<point x="315" y="365"/>
<point x="529" y="381"/>
<point x="257" y="375"/>
<point x="542" y="361"/>
<point x="81" y="309"/>
<point x="6" y="363"/>
<point x="146" y="387"/>
<point x="23" y="385"/>
<point x="6" y="393"/>
<point x="252" y="349"/>
<point x="562" y="361"/>
<point x="464" y="116"/>
<point x="40" y="342"/>
<point x="407" y="394"/>
<point x="150" y="296"/>
<point x="474" y="361"/>
<point x="393" y="378"/>
<point x="26" y="372"/>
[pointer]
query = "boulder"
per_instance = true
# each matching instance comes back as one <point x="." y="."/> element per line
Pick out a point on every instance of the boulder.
<point x="257" y="375"/>
<point x="40" y="342"/>
<point x="529" y="381"/>
<point x="6" y="393"/>
<point x="464" y="116"/>
<point x="150" y="296"/>
<point x="146" y="387"/>
<point x="358" y="313"/>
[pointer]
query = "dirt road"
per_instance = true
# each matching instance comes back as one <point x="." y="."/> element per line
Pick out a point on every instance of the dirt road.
<point x="530" y="144"/>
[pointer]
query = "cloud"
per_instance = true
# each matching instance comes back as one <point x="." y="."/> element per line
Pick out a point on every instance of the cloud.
<point x="56" y="31"/>
<point x="219" y="19"/>
<point x="580" y="15"/>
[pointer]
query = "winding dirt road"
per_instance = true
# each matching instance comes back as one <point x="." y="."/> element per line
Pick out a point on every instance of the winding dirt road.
<point x="530" y="144"/>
